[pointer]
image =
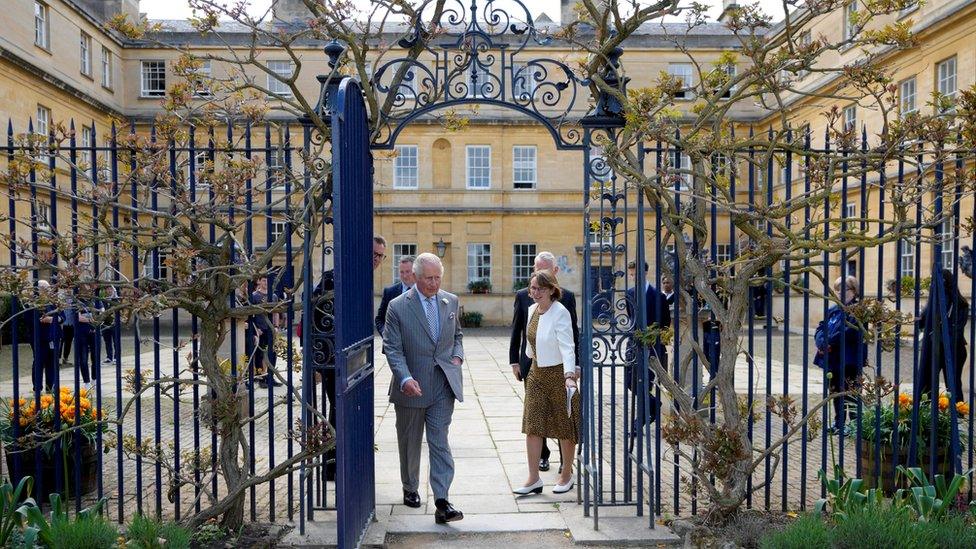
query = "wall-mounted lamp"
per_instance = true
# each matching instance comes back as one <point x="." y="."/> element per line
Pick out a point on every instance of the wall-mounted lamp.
<point x="441" y="248"/>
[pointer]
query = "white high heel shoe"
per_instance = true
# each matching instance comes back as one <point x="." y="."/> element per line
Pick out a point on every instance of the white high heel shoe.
<point x="534" y="488"/>
<point x="563" y="488"/>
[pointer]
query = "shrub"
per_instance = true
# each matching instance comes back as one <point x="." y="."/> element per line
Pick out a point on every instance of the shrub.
<point x="878" y="527"/>
<point x="88" y="529"/>
<point x="208" y="534"/>
<point x="952" y="533"/>
<point x="146" y="533"/>
<point x="471" y="319"/>
<point x="482" y="286"/>
<point x="808" y="531"/>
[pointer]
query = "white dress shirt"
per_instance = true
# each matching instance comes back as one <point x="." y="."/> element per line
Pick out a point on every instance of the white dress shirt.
<point x="553" y="339"/>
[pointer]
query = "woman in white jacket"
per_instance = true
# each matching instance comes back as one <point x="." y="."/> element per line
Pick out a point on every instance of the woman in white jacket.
<point x="550" y="337"/>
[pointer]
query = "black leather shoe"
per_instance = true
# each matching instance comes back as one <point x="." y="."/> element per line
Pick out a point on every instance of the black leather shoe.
<point x="543" y="464"/>
<point x="411" y="499"/>
<point x="446" y="512"/>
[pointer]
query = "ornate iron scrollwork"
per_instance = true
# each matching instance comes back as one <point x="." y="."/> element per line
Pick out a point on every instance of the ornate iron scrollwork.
<point x="482" y="60"/>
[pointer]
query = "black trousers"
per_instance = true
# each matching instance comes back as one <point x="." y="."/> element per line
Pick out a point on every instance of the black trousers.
<point x="841" y="404"/>
<point x="44" y="359"/>
<point x="68" y="337"/>
<point x="925" y="373"/>
<point x="108" y="342"/>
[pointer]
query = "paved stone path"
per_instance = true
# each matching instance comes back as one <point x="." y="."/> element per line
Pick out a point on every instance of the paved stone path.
<point x="486" y="437"/>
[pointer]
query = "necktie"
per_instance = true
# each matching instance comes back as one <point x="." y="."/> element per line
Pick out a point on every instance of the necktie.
<point x="431" y="310"/>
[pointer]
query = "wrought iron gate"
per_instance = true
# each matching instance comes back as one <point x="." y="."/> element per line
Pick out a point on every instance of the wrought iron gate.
<point x="353" y="204"/>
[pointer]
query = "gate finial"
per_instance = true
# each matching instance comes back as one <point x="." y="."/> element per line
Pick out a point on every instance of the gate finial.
<point x="334" y="49"/>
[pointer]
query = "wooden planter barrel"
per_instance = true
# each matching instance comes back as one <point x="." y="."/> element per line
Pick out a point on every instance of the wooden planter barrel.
<point x="49" y="465"/>
<point x="888" y="482"/>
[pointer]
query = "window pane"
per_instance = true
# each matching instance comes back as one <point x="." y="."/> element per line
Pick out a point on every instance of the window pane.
<point x="947" y="77"/>
<point x="523" y="262"/>
<point x="479" y="166"/>
<point x="85" y="53"/>
<point x="685" y="73"/>
<point x="153" y="78"/>
<point x="41" y="25"/>
<point x="282" y="69"/>
<point x="400" y="251"/>
<point x="907" y="96"/>
<point x="405" y="167"/>
<point x="479" y="262"/>
<point x="106" y="67"/>
<point x="523" y="83"/>
<point x="524" y="166"/>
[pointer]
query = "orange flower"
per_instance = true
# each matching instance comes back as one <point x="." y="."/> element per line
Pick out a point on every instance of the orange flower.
<point x="962" y="408"/>
<point x="943" y="403"/>
<point x="46" y="401"/>
<point x="68" y="413"/>
<point x="85" y="403"/>
<point x="905" y="401"/>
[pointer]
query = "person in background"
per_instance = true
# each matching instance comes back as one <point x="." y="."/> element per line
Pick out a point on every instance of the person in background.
<point x="657" y="313"/>
<point x="667" y="288"/>
<point x="48" y="327"/>
<point x="324" y="287"/>
<point x="956" y="316"/>
<point x="550" y="336"/>
<point x="841" y="350"/>
<point x="70" y="316"/>
<point x="398" y="288"/>
<point x="86" y="332"/>
<point x="520" y="362"/>
<point x="108" y="298"/>
<point x="264" y="329"/>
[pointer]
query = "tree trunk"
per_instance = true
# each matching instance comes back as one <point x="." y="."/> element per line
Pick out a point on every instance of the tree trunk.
<point x="226" y="408"/>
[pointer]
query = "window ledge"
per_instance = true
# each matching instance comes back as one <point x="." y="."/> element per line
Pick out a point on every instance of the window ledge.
<point x="88" y="76"/>
<point x="45" y="49"/>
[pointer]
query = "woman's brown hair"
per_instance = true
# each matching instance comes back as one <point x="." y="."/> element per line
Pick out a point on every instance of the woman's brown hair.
<point x="547" y="280"/>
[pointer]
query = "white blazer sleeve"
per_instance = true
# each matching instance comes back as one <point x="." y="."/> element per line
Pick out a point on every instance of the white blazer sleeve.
<point x="564" y="337"/>
<point x="528" y="318"/>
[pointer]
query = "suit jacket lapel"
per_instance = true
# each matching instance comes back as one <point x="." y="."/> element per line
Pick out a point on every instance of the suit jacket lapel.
<point x="418" y="309"/>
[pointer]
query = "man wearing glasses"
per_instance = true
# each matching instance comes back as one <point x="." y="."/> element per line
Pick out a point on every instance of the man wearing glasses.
<point x="327" y="286"/>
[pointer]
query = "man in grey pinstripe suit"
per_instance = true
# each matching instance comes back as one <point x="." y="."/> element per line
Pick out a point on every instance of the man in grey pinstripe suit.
<point x="422" y="343"/>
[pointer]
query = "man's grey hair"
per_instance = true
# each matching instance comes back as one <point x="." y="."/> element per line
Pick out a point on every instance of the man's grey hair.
<point x="546" y="257"/>
<point x="407" y="259"/>
<point x="427" y="258"/>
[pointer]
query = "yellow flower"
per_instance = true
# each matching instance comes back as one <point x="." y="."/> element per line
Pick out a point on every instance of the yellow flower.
<point x="943" y="403"/>
<point x="962" y="408"/>
<point x="85" y="403"/>
<point x="46" y="401"/>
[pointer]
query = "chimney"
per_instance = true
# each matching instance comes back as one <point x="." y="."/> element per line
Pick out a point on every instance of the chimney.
<point x="291" y="10"/>
<point x="106" y="9"/>
<point x="566" y="14"/>
<point x="727" y="6"/>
